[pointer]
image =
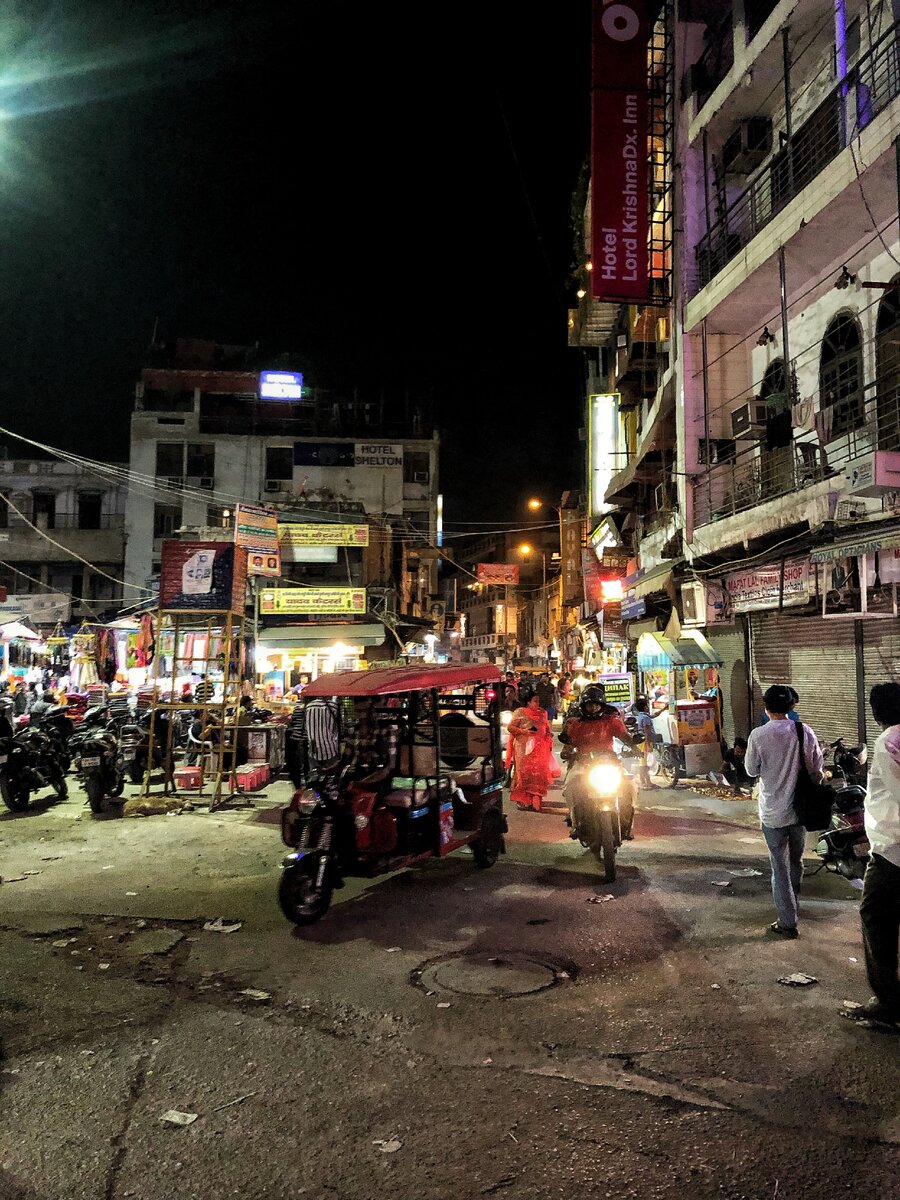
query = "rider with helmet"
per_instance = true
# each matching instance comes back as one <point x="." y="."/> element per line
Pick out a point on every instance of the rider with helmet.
<point x="593" y="729"/>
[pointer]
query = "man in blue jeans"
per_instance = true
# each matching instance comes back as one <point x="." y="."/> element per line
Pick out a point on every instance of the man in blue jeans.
<point x="773" y="755"/>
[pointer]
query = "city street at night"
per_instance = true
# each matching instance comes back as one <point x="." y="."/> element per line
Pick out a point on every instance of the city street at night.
<point x="442" y="1032"/>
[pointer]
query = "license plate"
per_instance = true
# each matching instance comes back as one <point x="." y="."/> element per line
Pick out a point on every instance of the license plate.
<point x="861" y="849"/>
<point x="129" y="756"/>
<point x="90" y="762"/>
<point x="3" y="758"/>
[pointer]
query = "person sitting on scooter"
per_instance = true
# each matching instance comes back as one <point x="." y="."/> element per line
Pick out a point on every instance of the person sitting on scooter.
<point x="593" y="730"/>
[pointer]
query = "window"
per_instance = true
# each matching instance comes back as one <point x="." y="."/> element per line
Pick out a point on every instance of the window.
<point x="201" y="460"/>
<point x="89" y="504"/>
<point x="78" y="586"/>
<point x="415" y="466"/>
<point x="887" y="368"/>
<point x="157" y="400"/>
<point x="279" y="462"/>
<point x="170" y="460"/>
<point x="44" y="510"/>
<point x="166" y="519"/>
<point x="841" y="375"/>
<point x="218" y="518"/>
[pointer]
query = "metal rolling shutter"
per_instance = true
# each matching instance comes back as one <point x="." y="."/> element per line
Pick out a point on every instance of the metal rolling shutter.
<point x="881" y="659"/>
<point x="815" y="656"/>
<point x="728" y="643"/>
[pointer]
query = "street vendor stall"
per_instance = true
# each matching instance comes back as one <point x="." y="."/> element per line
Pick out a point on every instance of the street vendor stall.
<point x="675" y="675"/>
<point x="22" y="653"/>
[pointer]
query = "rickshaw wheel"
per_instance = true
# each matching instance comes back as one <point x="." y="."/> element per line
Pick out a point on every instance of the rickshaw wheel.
<point x="670" y="768"/>
<point x="487" y="846"/>
<point x="298" y="897"/>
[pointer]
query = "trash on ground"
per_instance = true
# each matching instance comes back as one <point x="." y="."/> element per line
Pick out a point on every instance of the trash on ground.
<point x="563" y="975"/>
<point x="852" y="1005"/>
<point x="62" y="943"/>
<point x="220" y="925"/>
<point x="744" y="872"/>
<point x="173" y="1117"/>
<point x="109" y="868"/>
<point x="231" y="1103"/>
<point x="393" y="949"/>
<point x="721" y="882"/>
<point x="444" y="1004"/>
<point x="31" y="872"/>
<point x="599" y="899"/>
<point x="103" y="966"/>
<point x="12" y="879"/>
<point x="716" y="987"/>
<point x="388" y="1145"/>
<point x="853" y="960"/>
<point x="798" y="979"/>
<point x="255" y="994"/>
<point x="131" y="893"/>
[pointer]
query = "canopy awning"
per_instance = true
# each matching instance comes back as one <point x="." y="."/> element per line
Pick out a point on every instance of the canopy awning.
<point x="319" y="637"/>
<point x="16" y="631"/>
<point x="864" y="544"/>
<point x="390" y="681"/>
<point x="654" y="580"/>
<point x="657" y="652"/>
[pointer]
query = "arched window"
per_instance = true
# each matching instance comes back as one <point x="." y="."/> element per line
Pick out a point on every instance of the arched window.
<point x="773" y="383"/>
<point x="841" y="375"/>
<point x="887" y="369"/>
<point x="776" y="462"/>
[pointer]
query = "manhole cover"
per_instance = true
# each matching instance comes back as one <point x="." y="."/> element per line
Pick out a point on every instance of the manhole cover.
<point x="488" y="975"/>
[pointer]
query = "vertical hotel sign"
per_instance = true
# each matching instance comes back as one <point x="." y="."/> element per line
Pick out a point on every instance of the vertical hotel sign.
<point x="619" y="168"/>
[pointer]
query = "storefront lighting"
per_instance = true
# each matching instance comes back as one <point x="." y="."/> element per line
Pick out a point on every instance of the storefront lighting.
<point x="611" y="590"/>
<point x="581" y="293"/>
<point x="338" y="650"/>
<point x="589" y="266"/>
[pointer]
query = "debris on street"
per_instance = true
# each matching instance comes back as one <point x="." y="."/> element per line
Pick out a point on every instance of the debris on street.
<point x="798" y="979"/>
<point x="721" y="882"/>
<point x="221" y="925"/>
<point x="388" y="1145"/>
<point x="232" y="1103"/>
<point x="393" y="949"/>
<point x="444" y="1004"/>
<point x="599" y="899"/>
<point x="744" y="872"/>
<point x="62" y="943"/>
<point x="255" y="994"/>
<point x="173" y="1117"/>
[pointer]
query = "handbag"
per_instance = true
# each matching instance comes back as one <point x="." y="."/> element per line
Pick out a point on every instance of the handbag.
<point x="812" y="801"/>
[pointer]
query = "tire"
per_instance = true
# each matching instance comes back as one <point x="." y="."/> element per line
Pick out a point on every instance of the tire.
<point x="15" y="798"/>
<point x="119" y="786"/>
<point x="669" y="767"/>
<point x="59" y="785"/>
<point x="136" y="771"/>
<point x="489" y="843"/>
<point x="94" y="791"/>
<point x="607" y="847"/>
<point x="297" y="897"/>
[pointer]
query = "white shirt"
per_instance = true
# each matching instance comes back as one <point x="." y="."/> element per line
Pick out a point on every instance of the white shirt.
<point x="883" y="800"/>
<point x="773" y="754"/>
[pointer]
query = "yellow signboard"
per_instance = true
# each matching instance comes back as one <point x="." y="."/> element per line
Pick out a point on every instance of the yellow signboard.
<point x="323" y="535"/>
<point x="313" y="601"/>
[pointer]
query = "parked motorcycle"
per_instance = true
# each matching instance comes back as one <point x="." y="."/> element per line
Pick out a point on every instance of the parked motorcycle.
<point x="56" y="722"/>
<point x="844" y="846"/>
<point x="29" y="761"/>
<point x="96" y="750"/>
<point x="600" y="795"/>
<point x="134" y="746"/>
<point x="846" y="763"/>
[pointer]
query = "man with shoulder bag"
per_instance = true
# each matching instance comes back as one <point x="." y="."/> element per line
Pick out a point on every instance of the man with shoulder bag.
<point x="787" y="759"/>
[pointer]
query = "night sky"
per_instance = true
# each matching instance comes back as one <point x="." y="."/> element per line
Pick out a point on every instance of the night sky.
<point x="333" y="179"/>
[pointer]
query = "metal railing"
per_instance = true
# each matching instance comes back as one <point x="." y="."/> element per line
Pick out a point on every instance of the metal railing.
<point x="845" y="431"/>
<point x="66" y="521"/>
<point x="852" y="104"/>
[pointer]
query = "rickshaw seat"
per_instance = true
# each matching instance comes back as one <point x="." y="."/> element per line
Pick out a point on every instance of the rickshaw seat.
<point x="473" y="778"/>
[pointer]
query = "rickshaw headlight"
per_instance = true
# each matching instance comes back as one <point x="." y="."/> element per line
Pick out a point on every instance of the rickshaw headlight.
<point x="308" y="801"/>
<point x="605" y="779"/>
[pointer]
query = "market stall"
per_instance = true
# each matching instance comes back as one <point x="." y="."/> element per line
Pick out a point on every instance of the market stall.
<point x="23" y="653"/>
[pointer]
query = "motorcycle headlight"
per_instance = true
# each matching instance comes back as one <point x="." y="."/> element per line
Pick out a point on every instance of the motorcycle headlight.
<point x="605" y="779"/>
<point x="308" y="801"/>
<point x="505" y="717"/>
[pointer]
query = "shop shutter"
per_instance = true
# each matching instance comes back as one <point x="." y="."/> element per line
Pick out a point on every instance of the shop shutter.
<point x="881" y="657"/>
<point x="729" y="643"/>
<point x="816" y="657"/>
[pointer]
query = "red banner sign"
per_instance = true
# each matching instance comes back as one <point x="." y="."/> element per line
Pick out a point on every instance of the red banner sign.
<point x="503" y="573"/>
<point x="619" y="152"/>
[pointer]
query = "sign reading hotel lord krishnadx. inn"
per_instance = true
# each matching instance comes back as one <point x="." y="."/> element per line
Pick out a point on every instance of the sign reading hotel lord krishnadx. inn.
<point x="205" y="575"/>
<point x="619" y="152"/>
<point x="506" y="574"/>
<point x="312" y="601"/>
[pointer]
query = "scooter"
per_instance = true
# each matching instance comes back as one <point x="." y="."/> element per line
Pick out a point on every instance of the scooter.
<point x="848" y="763"/>
<point x="29" y="761"/>
<point x="600" y="795"/>
<point x="96" y="751"/>
<point x="844" y="846"/>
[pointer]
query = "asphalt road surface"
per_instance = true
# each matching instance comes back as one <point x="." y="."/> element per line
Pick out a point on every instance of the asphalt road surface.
<point x="444" y="1033"/>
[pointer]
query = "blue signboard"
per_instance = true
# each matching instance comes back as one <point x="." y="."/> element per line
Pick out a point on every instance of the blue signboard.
<point x="280" y="385"/>
<point x="633" y="606"/>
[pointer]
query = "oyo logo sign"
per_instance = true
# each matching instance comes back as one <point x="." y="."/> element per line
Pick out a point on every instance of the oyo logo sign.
<point x="620" y="21"/>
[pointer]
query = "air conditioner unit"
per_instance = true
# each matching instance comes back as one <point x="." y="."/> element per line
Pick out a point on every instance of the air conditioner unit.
<point x="748" y="146"/>
<point x="420" y="476"/>
<point x="274" y="485"/>
<point x="693" y="602"/>
<point x="749" y="420"/>
<point x="206" y="482"/>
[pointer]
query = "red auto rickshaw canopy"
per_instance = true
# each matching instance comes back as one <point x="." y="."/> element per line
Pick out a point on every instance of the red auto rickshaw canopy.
<point x="389" y="681"/>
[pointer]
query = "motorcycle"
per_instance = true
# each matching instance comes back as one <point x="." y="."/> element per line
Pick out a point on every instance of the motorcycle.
<point x="28" y="762"/>
<point x="134" y="747"/>
<point x="96" y="751"/>
<point x="56" y="722"/>
<point x="600" y="795"/>
<point x="844" y="846"/>
<point x="848" y="763"/>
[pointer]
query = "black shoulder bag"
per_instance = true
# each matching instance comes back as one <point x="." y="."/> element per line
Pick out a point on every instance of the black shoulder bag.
<point x="812" y="801"/>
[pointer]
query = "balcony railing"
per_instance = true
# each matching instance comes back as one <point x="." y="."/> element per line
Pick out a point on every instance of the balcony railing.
<point x="845" y="431"/>
<point x="68" y="521"/>
<point x="851" y="105"/>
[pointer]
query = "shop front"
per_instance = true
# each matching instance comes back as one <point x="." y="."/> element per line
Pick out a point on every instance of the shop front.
<point x="290" y="655"/>
<point x="680" y="676"/>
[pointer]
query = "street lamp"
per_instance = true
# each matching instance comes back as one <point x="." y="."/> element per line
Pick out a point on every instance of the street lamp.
<point x="535" y="505"/>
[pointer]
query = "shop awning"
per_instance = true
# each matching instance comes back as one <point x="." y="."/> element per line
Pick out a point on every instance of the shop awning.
<point x="319" y="637"/>
<point x="16" y="631"/>
<point x="637" y="629"/>
<point x="654" y="580"/>
<point x="656" y="652"/>
<point x="888" y="540"/>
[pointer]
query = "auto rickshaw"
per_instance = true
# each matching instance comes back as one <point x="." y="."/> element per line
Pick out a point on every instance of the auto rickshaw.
<point x="433" y="734"/>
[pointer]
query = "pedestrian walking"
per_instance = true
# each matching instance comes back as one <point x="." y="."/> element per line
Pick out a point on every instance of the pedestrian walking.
<point x="773" y="756"/>
<point x="879" y="912"/>
<point x="548" y="696"/>
<point x="647" y="736"/>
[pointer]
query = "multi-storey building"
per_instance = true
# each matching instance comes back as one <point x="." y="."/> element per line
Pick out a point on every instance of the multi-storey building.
<point x="49" y="508"/>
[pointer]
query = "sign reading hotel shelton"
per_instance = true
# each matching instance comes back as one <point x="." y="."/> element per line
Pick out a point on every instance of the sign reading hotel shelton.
<point x="619" y="153"/>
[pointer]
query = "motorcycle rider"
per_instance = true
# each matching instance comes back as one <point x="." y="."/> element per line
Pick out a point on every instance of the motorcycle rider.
<point x="593" y="727"/>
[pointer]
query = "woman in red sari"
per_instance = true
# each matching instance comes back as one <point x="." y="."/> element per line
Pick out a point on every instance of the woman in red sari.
<point x="531" y="741"/>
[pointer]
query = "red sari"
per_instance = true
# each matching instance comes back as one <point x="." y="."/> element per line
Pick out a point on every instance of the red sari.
<point x="531" y="741"/>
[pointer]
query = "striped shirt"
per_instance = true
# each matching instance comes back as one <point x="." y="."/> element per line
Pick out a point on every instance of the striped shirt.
<point x="321" y="731"/>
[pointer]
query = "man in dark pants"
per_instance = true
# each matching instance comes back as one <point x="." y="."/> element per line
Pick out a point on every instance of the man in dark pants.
<point x="880" y="908"/>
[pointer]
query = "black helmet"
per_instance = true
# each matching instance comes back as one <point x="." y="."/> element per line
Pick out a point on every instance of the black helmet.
<point x="593" y="695"/>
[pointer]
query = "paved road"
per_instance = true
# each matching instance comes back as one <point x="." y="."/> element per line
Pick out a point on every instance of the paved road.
<point x="659" y="1057"/>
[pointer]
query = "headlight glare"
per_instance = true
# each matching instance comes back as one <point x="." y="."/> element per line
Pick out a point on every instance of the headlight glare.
<point x="605" y="779"/>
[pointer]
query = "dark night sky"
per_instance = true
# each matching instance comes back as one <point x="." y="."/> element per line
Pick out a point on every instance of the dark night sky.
<point x="329" y="178"/>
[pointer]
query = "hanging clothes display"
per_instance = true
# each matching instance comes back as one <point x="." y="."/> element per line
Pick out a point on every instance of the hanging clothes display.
<point x="83" y="670"/>
<point x="105" y="653"/>
<point x="145" y="646"/>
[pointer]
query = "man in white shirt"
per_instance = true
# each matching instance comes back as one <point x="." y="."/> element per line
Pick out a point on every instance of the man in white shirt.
<point x="880" y="908"/>
<point x="773" y="754"/>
